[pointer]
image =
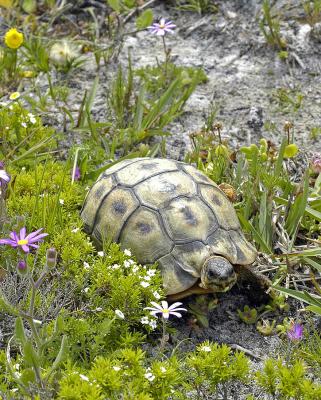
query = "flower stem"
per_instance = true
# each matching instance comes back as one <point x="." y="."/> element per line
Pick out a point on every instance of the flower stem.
<point x="166" y="54"/>
<point x="164" y="338"/>
<point x="31" y="313"/>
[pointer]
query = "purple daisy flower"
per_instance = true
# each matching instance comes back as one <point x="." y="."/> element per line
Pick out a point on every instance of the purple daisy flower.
<point x="295" y="332"/>
<point x="161" y="28"/>
<point x="4" y="177"/>
<point x="24" y="241"/>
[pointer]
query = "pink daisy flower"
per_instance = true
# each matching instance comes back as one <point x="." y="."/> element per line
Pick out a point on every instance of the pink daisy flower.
<point x="161" y="28"/>
<point x="4" y="177"/>
<point x="25" y="242"/>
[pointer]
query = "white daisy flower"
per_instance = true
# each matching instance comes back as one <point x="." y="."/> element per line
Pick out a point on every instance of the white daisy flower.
<point x="119" y="314"/>
<point x="149" y="376"/>
<point x="205" y="348"/>
<point x="156" y="295"/>
<point x="165" y="310"/>
<point x="153" y="324"/>
<point x="86" y="265"/>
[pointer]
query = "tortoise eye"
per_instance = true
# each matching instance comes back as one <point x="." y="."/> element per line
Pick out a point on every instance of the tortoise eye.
<point x="211" y="274"/>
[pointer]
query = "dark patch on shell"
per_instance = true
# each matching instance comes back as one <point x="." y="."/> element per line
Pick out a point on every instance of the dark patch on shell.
<point x="216" y="200"/>
<point x="149" y="166"/>
<point x="189" y="216"/>
<point x="99" y="193"/>
<point x="144" y="228"/>
<point x="119" y="207"/>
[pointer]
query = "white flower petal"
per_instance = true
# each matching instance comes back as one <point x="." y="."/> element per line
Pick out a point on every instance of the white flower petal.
<point x="176" y="314"/>
<point x="158" y="306"/>
<point x="174" y="305"/>
<point x="164" y="304"/>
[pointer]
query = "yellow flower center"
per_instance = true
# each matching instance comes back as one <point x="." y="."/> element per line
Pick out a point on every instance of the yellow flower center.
<point x="21" y="242"/>
<point x="165" y="310"/>
<point x="14" y="96"/>
<point x="13" y="38"/>
<point x="162" y="26"/>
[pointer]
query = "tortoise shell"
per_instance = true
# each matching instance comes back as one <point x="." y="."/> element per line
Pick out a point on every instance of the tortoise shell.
<point x="165" y="211"/>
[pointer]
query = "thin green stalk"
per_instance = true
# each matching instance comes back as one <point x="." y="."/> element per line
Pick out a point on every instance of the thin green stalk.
<point x="31" y="313"/>
<point x="166" y="55"/>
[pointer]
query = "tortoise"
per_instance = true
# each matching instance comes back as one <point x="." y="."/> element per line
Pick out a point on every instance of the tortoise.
<point x="170" y="212"/>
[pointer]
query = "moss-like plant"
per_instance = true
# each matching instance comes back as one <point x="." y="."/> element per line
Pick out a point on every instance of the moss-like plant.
<point x="287" y="382"/>
<point x="23" y="134"/>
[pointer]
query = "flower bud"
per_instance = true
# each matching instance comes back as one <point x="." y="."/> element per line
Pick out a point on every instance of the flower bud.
<point x="119" y="314"/>
<point x="316" y="164"/>
<point x="22" y="267"/>
<point x="229" y="191"/>
<point x="222" y="150"/>
<point x="287" y="126"/>
<point x="291" y="150"/>
<point x="51" y="258"/>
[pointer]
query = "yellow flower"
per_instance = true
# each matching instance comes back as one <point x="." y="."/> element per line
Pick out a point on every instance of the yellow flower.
<point x="6" y="3"/>
<point x="27" y="74"/>
<point x="13" y="38"/>
<point x="14" y="96"/>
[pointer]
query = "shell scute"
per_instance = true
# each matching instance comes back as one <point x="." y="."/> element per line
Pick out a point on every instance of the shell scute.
<point x="158" y="190"/>
<point x="113" y="213"/>
<point x="143" y="233"/>
<point x="175" y="278"/>
<point x="98" y="192"/>
<point x="221" y="206"/>
<point x="192" y="256"/>
<point x="188" y="219"/>
<point x="142" y="170"/>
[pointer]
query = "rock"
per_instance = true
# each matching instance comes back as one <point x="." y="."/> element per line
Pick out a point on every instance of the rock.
<point x="255" y="120"/>
<point x="316" y="32"/>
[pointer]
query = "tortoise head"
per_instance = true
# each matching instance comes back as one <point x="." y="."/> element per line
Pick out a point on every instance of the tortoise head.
<point x="217" y="274"/>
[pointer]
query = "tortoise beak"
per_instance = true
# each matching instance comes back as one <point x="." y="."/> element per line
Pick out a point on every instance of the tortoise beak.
<point x="225" y="285"/>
